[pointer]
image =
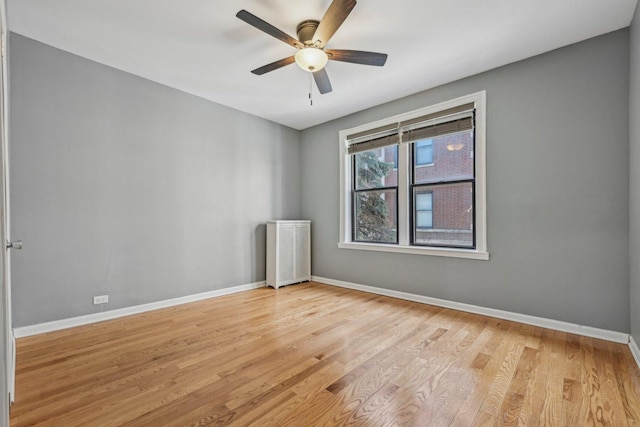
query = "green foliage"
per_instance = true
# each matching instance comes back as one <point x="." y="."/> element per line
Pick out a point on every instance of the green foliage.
<point x="372" y="223"/>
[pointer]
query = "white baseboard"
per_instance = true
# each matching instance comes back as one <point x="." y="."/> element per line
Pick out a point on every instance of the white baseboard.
<point x="56" y="325"/>
<point x="633" y="346"/>
<point x="619" y="337"/>
<point x="573" y="328"/>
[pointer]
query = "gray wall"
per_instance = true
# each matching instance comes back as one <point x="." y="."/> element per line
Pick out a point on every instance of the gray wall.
<point x="634" y="157"/>
<point x="125" y="187"/>
<point x="557" y="192"/>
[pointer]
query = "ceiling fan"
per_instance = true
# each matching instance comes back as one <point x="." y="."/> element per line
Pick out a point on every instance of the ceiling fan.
<point x="313" y="36"/>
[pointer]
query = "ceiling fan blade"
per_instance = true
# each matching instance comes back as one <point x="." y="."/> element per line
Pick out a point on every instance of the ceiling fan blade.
<point x="273" y="66"/>
<point x="267" y="28"/>
<point x="332" y="19"/>
<point x="322" y="81"/>
<point x="357" y="57"/>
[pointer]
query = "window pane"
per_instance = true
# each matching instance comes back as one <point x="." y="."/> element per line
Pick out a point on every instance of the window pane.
<point x="424" y="201"/>
<point x="424" y="209"/>
<point x="424" y="219"/>
<point x="451" y="215"/>
<point x="424" y="152"/>
<point x="375" y="217"/>
<point x="376" y="168"/>
<point x="451" y="159"/>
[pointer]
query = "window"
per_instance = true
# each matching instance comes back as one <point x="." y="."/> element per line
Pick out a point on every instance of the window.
<point x="424" y="210"/>
<point x="415" y="183"/>
<point x="424" y="152"/>
<point x="450" y="181"/>
<point x="375" y="196"/>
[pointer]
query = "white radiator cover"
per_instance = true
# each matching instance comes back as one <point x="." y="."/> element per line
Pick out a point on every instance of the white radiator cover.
<point x="288" y="252"/>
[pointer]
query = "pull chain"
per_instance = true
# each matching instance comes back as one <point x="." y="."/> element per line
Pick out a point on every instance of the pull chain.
<point x="310" y="91"/>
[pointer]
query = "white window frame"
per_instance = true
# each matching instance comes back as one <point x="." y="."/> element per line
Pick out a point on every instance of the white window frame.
<point x="480" y="252"/>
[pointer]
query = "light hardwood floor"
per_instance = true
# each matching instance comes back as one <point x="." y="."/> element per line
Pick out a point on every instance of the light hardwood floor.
<point x="314" y="355"/>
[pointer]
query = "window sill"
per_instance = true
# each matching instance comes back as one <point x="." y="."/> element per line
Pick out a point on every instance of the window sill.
<point x="417" y="250"/>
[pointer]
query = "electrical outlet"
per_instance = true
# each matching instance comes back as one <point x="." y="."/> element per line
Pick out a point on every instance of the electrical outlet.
<point x="101" y="299"/>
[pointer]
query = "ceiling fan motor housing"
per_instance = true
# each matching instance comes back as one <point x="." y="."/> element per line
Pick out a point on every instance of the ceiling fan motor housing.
<point x="306" y="30"/>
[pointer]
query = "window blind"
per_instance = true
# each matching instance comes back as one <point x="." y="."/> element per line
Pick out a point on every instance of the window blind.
<point x="430" y="130"/>
<point x="451" y="120"/>
<point x="373" y="138"/>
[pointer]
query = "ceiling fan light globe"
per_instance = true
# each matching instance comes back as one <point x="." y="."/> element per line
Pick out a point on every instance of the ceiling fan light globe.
<point x="311" y="59"/>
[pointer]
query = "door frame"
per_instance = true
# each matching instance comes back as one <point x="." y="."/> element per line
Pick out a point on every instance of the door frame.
<point x="7" y="389"/>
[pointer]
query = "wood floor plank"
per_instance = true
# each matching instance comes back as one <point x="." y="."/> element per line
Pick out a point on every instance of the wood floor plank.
<point x="552" y="402"/>
<point x="448" y="387"/>
<point x="466" y="375"/>
<point x="490" y="412"/>
<point x="312" y="354"/>
<point x="512" y="404"/>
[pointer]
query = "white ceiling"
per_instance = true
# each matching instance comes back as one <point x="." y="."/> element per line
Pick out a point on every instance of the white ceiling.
<point x="200" y="47"/>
